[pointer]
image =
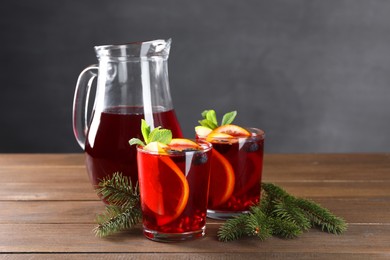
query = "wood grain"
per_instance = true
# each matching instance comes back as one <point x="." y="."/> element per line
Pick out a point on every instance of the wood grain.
<point x="48" y="210"/>
<point x="79" y="238"/>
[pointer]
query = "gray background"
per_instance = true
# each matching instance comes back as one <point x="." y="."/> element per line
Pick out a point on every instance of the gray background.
<point x="315" y="75"/>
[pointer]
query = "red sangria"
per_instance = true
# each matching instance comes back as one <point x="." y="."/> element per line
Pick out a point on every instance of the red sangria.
<point x="236" y="166"/>
<point x="174" y="181"/>
<point x="107" y="145"/>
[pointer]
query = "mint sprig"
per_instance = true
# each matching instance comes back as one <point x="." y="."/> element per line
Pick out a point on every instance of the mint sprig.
<point x="158" y="134"/>
<point x="210" y="119"/>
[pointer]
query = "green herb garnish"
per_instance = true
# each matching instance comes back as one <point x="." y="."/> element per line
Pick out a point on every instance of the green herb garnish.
<point x="210" y="119"/>
<point x="156" y="135"/>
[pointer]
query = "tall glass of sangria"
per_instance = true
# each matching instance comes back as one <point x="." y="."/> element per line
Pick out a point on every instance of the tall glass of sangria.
<point x="173" y="182"/>
<point x="236" y="168"/>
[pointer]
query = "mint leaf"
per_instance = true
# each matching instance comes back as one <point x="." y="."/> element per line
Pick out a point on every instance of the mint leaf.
<point x="204" y="113"/>
<point x="145" y="130"/>
<point x="160" y="135"/>
<point x="207" y="123"/>
<point x="136" y="141"/>
<point x="156" y="135"/>
<point x="212" y="117"/>
<point x="228" y="118"/>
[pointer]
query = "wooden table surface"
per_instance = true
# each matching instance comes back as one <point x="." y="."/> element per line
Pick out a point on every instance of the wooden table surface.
<point x="48" y="209"/>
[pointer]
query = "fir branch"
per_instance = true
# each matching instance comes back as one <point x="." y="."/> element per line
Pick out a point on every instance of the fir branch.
<point x="280" y="214"/>
<point x="116" y="219"/>
<point x="322" y="217"/>
<point x="274" y="192"/>
<point x="118" y="190"/>
<point x="233" y="228"/>
<point x="284" y="228"/>
<point x="288" y="211"/>
<point x="124" y="209"/>
<point x="258" y="224"/>
<point x="254" y="223"/>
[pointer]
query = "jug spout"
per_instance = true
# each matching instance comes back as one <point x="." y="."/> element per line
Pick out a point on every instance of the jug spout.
<point x="135" y="50"/>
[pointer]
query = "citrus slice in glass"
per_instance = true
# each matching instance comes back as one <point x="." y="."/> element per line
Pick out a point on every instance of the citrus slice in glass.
<point x="220" y="138"/>
<point x="250" y="176"/>
<point x="156" y="147"/>
<point x="232" y="130"/>
<point x="180" y="144"/>
<point x="202" y="131"/>
<point x="164" y="188"/>
<point x="221" y="180"/>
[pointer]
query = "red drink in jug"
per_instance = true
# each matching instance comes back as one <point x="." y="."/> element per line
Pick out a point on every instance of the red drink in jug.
<point x="107" y="146"/>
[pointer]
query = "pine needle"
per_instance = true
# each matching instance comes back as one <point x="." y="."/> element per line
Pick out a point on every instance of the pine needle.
<point x="288" y="211"/>
<point x="124" y="209"/>
<point x="116" y="219"/>
<point x="233" y="228"/>
<point x="258" y="224"/>
<point x="282" y="215"/>
<point x="284" y="229"/>
<point x="322" y="217"/>
<point x="118" y="190"/>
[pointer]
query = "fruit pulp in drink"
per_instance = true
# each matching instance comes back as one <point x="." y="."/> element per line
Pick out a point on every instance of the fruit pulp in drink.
<point x="245" y="155"/>
<point x="165" y="181"/>
<point x="107" y="146"/>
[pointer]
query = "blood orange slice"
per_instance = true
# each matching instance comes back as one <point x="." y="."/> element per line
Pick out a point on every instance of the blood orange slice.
<point x="180" y="144"/>
<point x="163" y="186"/>
<point x="219" y="137"/>
<point x="221" y="180"/>
<point x="156" y="147"/>
<point x="252" y="172"/>
<point x="233" y="130"/>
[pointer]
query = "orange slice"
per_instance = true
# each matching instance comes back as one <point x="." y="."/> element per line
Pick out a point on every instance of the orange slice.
<point x="216" y="137"/>
<point x="252" y="171"/>
<point x="221" y="180"/>
<point x="202" y="131"/>
<point x="233" y="130"/>
<point x="180" y="144"/>
<point x="156" y="147"/>
<point x="163" y="186"/>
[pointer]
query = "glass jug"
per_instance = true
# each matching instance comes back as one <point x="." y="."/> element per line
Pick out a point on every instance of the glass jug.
<point x="132" y="83"/>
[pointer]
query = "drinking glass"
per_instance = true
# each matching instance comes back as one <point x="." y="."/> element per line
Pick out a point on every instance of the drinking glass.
<point x="235" y="175"/>
<point x="174" y="192"/>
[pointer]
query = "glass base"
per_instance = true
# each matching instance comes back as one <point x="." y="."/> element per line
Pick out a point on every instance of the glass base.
<point x="223" y="215"/>
<point x="174" y="237"/>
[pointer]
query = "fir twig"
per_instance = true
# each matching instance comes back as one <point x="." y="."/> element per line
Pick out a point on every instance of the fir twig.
<point x="258" y="224"/>
<point x="288" y="211"/>
<point x="233" y="228"/>
<point x="284" y="228"/>
<point x="116" y="219"/>
<point x="280" y="214"/>
<point x="322" y="217"/>
<point x="123" y="211"/>
<point x="118" y="190"/>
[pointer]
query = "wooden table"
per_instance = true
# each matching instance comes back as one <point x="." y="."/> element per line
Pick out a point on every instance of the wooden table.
<point x="48" y="208"/>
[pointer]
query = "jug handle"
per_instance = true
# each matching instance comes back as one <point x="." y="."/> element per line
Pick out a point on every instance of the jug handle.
<point x="80" y="103"/>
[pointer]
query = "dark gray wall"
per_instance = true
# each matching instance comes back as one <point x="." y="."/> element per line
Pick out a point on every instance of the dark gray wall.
<point x="315" y="75"/>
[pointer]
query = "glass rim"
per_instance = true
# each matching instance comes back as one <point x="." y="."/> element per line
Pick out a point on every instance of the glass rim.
<point x="256" y="133"/>
<point x="142" y="50"/>
<point x="205" y="147"/>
